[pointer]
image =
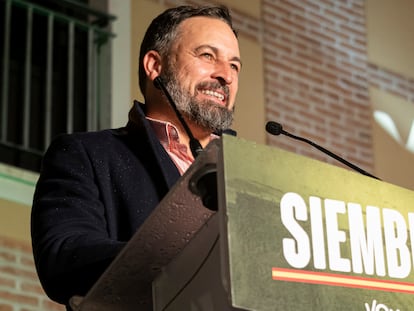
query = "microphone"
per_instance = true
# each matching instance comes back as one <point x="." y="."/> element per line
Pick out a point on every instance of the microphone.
<point x="195" y="145"/>
<point x="275" y="128"/>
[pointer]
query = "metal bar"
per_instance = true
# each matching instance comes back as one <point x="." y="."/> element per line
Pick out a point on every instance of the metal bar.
<point x="62" y="17"/>
<point x="71" y="45"/>
<point x="48" y="90"/>
<point x="85" y="8"/>
<point x="5" y="84"/>
<point x="91" y="101"/>
<point x="27" y="79"/>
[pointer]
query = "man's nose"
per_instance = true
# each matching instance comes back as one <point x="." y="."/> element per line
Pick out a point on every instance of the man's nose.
<point x="223" y="72"/>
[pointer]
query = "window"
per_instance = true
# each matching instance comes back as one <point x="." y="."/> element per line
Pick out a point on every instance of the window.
<point x="55" y="74"/>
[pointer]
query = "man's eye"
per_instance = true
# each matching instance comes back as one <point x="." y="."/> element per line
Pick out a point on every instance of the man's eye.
<point x="234" y="67"/>
<point x="207" y="55"/>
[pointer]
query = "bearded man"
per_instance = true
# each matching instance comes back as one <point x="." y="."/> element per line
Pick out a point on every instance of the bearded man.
<point x="97" y="188"/>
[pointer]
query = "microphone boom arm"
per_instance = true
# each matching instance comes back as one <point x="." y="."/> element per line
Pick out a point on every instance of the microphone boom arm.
<point x="275" y="128"/>
<point x="195" y="145"/>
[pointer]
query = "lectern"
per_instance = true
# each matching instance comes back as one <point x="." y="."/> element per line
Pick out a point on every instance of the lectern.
<point x="280" y="232"/>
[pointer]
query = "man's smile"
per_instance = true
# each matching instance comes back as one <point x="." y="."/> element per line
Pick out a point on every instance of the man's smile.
<point x="214" y="94"/>
<point x="217" y="94"/>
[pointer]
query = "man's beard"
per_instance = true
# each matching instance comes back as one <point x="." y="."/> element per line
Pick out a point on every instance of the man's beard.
<point x="205" y="113"/>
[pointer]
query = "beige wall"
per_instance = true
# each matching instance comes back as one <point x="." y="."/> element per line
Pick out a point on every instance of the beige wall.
<point x="17" y="187"/>
<point x="121" y="62"/>
<point x="14" y="220"/>
<point x="390" y="31"/>
<point x="250" y="111"/>
<point x="393" y="162"/>
<point x="142" y="13"/>
<point x="390" y="26"/>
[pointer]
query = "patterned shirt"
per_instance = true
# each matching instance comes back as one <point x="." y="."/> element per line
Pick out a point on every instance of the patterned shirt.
<point x="167" y="133"/>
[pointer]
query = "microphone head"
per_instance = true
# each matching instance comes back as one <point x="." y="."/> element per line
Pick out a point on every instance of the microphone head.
<point x="274" y="128"/>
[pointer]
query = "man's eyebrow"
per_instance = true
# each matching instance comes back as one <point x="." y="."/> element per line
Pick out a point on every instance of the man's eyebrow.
<point x="216" y="50"/>
<point x="237" y="59"/>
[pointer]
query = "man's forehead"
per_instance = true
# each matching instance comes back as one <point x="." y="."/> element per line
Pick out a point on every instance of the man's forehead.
<point x="207" y="30"/>
<point x="204" y="23"/>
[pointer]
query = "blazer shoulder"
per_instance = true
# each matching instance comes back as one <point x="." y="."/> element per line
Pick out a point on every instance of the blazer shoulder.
<point x="89" y="138"/>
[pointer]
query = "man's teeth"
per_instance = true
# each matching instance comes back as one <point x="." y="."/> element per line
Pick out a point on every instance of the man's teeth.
<point x="212" y="93"/>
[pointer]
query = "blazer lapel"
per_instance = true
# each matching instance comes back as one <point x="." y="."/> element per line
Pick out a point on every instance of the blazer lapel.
<point x="138" y="126"/>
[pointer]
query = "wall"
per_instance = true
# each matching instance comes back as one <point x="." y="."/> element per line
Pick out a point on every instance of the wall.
<point x="20" y="289"/>
<point x="325" y="64"/>
<point x="316" y="77"/>
<point x="121" y="62"/>
<point x="390" y="29"/>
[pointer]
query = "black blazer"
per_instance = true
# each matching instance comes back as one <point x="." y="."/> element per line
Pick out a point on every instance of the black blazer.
<point x="95" y="189"/>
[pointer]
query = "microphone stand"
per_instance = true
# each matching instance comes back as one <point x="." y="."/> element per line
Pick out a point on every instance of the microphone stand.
<point x="275" y="128"/>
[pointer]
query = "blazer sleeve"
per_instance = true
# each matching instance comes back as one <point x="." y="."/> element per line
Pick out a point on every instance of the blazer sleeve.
<point x="71" y="243"/>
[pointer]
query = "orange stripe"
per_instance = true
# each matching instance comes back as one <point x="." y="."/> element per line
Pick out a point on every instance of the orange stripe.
<point x="303" y="276"/>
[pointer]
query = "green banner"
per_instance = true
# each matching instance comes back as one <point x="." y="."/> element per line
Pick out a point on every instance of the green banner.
<point x="304" y="235"/>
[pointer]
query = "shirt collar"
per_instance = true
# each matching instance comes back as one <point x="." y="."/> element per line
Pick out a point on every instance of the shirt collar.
<point x="167" y="133"/>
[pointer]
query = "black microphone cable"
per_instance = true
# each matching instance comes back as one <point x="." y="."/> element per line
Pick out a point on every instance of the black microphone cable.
<point x="275" y="128"/>
<point x="195" y="145"/>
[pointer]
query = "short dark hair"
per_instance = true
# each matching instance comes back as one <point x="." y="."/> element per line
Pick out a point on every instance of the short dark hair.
<point x="163" y="30"/>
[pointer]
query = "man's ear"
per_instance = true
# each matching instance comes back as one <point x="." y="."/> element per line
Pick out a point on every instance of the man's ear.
<point x="152" y="64"/>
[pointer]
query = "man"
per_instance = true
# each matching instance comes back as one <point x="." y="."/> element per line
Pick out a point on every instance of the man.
<point x="96" y="189"/>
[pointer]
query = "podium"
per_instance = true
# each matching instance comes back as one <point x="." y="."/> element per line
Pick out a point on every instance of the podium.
<point x="288" y="233"/>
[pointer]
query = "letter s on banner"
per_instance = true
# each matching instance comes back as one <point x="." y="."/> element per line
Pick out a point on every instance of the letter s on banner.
<point x="296" y="249"/>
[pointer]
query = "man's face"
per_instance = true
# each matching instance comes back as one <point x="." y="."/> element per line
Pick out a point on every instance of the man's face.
<point x="202" y="72"/>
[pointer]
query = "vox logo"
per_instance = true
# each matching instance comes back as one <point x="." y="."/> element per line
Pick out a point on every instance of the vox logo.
<point x="378" y="307"/>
